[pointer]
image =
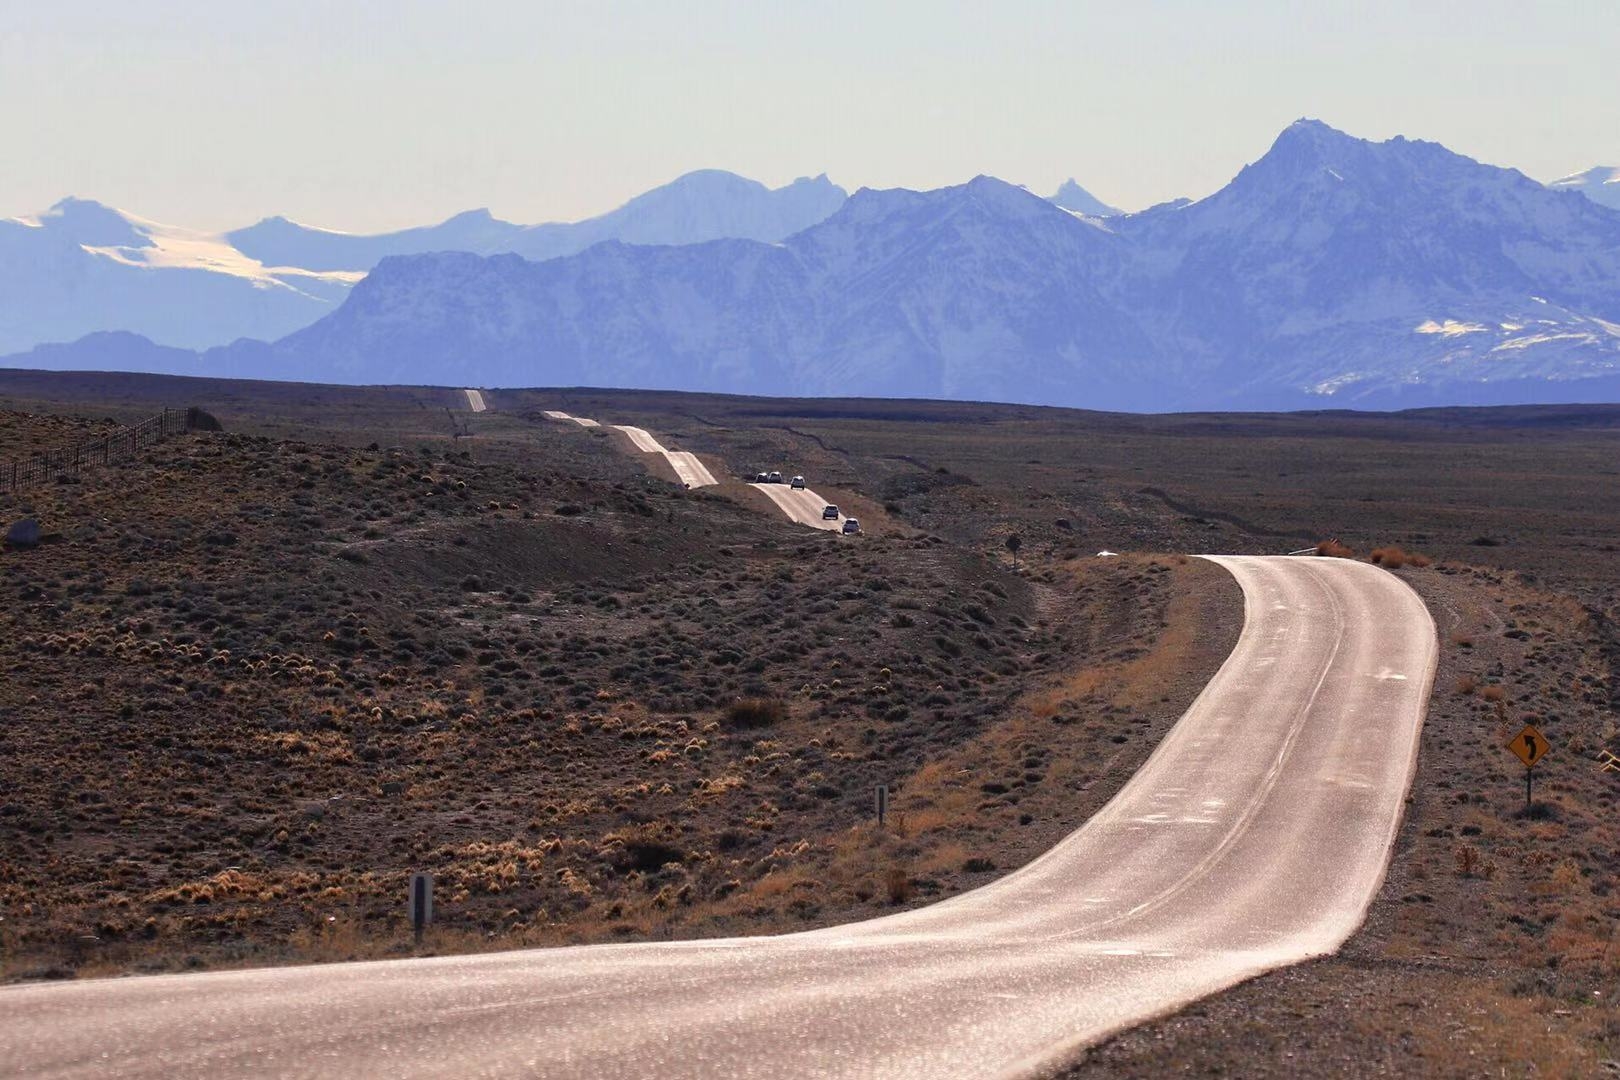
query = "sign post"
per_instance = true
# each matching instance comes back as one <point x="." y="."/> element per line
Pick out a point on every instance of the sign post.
<point x="881" y="798"/>
<point x="1529" y="746"/>
<point x="421" y="903"/>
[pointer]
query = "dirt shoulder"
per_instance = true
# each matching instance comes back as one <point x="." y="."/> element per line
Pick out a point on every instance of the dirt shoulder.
<point x="1491" y="948"/>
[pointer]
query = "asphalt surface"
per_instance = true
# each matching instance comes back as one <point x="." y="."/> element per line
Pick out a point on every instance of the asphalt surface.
<point x="1255" y="836"/>
<point x="693" y="473"/>
<point x="580" y="420"/>
<point x="801" y="505"/>
<point x="475" y="400"/>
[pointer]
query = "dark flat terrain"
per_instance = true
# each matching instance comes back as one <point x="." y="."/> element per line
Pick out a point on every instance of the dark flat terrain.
<point x="562" y="731"/>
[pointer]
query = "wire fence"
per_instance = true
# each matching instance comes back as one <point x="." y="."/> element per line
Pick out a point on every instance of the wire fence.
<point x="120" y="445"/>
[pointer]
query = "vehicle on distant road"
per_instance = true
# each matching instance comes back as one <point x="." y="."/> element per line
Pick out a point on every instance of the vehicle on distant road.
<point x="762" y="478"/>
<point x="797" y="483"/>
<point x="829" y="512"/>
<point x="851" y="526"/>
<point x="776" y="478"/>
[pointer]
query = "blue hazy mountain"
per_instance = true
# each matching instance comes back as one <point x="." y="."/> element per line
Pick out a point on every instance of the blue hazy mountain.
<point x="82" y="267"/>
<point x="277" y="241"/>
<point x="1333" y="271"/>
<point x="706" y="205"/>
<point x="1601" y="185"/>
<point x="1071" y="196"/>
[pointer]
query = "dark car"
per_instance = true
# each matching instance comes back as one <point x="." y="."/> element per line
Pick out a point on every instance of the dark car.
<point x="829" y="513"/>
<point x="851" y="526"/>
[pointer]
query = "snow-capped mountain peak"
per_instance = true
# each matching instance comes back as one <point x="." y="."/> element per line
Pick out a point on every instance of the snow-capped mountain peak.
<point x="1076" y="199"/>
<point x="83" y="267"/>
<point x="90" y="223"/>
<point x="1333" y="270"/>
<point x="1601" y="185"/>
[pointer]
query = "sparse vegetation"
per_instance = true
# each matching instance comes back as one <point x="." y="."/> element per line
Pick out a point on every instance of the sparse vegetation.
<point x="579" y="681"/>
<point x="755" y="712"/>
<point x="1393" y="558"/>
<point x="897" y="886"/>
<point x="588" y="726"/>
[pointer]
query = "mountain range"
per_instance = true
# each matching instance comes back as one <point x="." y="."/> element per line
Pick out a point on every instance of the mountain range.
<point x="1332" y="271"/>
<point x="82" y="267"/>
<point x="705" y="205"/>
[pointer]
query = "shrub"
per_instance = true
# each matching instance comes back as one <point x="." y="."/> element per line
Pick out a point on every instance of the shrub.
<point x="1394" y="558"/>
<point x="1467" y="860"/>
<point x="897" y="885"/>
<point x="755" y="712"/>
<point x="1335" y="550"/>
<point x="647" y="854"/>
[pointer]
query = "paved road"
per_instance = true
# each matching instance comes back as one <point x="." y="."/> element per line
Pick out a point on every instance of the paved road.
<point x="801" y="505"/>
<point x="580" y="420"/>
<point x="693" y="473"/>
<point x="475" y="400"/>
<point x="1255" y="836"/>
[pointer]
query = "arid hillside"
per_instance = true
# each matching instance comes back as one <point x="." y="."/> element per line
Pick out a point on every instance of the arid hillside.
<point x="254" y="684"/>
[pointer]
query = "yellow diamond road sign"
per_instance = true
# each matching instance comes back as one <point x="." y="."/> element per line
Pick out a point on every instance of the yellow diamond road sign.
<point x="1530" y="745"/>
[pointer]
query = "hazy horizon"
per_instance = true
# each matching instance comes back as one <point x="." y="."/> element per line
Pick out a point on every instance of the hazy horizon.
<point x="380" y="116"/>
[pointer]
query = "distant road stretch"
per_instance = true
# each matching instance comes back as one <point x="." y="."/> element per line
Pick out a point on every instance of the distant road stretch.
<point x="580" y="420"/>
<point x="1255" y="836"/>
<point x="475" y="400"/>
<point x="801" y="505"/>
<point x="693" y="473"/>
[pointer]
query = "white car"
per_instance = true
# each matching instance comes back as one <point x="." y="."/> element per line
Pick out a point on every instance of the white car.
<point x="851" y="526"/>
<point x="797" y="483"/>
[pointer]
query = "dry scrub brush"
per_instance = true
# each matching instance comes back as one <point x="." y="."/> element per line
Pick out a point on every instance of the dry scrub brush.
<point x="1393" y="558"/>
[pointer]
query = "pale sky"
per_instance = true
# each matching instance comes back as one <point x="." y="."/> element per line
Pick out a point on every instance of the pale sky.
<point x="375" y="114"/>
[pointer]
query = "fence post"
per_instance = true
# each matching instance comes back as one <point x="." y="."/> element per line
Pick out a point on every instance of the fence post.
<point x="40" y="468"/>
